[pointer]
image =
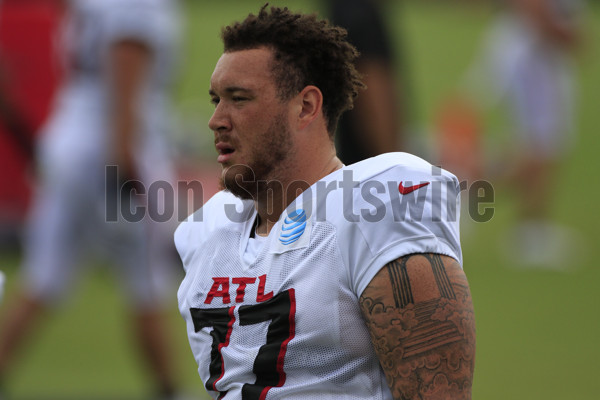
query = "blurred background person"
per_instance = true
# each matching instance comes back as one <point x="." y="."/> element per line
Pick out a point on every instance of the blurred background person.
<point x="376" y="123"/>
<point x="111" y="110"/>
<point x="526" y="62"/>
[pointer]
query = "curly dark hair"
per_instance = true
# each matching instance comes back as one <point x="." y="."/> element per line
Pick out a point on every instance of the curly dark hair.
<point x="307" y="51"/>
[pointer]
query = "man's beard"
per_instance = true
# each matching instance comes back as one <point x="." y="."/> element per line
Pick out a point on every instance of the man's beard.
<point x="261" y="175"/>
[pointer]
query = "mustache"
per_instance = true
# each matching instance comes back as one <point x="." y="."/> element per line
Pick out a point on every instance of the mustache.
<point x="224" y="138"/>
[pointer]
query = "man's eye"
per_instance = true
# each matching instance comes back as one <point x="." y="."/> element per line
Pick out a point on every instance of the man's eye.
<point x="239" y="98"/>
<point x="214" y="101"/>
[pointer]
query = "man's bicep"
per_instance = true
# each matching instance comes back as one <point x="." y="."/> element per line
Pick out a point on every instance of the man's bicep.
<point x="419" y="313"/>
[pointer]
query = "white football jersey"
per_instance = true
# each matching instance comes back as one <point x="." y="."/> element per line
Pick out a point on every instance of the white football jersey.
<point x="81" y="119"/>
<point x="288" y="324"/>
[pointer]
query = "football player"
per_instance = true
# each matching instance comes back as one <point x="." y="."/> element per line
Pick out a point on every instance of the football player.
<point x="306" y="278"/>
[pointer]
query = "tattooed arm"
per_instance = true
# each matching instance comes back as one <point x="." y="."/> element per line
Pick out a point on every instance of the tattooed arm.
<point x="420" y="316"/>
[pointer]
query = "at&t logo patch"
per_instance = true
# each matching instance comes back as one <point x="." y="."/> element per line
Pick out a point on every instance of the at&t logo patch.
<point x="293" y="227"/>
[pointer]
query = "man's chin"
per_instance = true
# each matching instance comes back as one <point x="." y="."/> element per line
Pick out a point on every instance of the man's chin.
<point x="239" y="180"/>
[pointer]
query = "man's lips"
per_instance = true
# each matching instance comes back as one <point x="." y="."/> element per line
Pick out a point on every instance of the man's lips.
<point x="225" y="152"/>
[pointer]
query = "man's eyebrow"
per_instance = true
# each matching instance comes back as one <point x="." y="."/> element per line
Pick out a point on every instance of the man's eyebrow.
<point x="231" y="89"/>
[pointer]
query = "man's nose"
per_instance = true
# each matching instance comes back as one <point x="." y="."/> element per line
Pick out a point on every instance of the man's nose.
<point x="219" y="121"/>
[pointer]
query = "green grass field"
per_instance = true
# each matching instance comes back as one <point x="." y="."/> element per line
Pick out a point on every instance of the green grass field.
<point x="538" y="331"/>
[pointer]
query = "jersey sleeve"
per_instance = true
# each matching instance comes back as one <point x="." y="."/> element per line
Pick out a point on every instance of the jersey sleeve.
<point x="400" y="211"/>
<point x="182" y="241"/>
<point x="147" y="21"/>
<point x="222" y="210"/>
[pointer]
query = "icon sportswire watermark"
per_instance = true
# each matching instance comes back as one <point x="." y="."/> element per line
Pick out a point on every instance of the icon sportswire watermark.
<point x="369" y="201"/>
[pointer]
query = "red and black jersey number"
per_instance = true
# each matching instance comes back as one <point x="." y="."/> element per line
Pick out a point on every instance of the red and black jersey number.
<point x="280" y="310"/>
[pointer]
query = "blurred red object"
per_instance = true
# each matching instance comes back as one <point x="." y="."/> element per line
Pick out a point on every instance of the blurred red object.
<point x="29" y="75"/>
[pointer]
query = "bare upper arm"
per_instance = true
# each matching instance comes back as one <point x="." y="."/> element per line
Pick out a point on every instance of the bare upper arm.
<point x="129" y="64"/>
<point x="419" y="313"/>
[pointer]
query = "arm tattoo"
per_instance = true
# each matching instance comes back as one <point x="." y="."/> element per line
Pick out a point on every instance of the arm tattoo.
<point x="419" y="313"/>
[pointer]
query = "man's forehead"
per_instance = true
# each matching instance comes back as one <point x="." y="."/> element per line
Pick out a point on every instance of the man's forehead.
<point x="242" y="68"/>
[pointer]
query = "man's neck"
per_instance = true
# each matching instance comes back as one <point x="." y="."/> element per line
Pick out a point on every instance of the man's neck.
<point x="276" y="197"/>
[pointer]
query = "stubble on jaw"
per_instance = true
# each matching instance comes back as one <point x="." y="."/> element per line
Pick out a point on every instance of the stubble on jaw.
<point x="263" y="173"/>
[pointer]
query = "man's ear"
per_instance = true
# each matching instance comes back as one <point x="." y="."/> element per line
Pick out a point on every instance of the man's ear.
<point x="311" y="105"/>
